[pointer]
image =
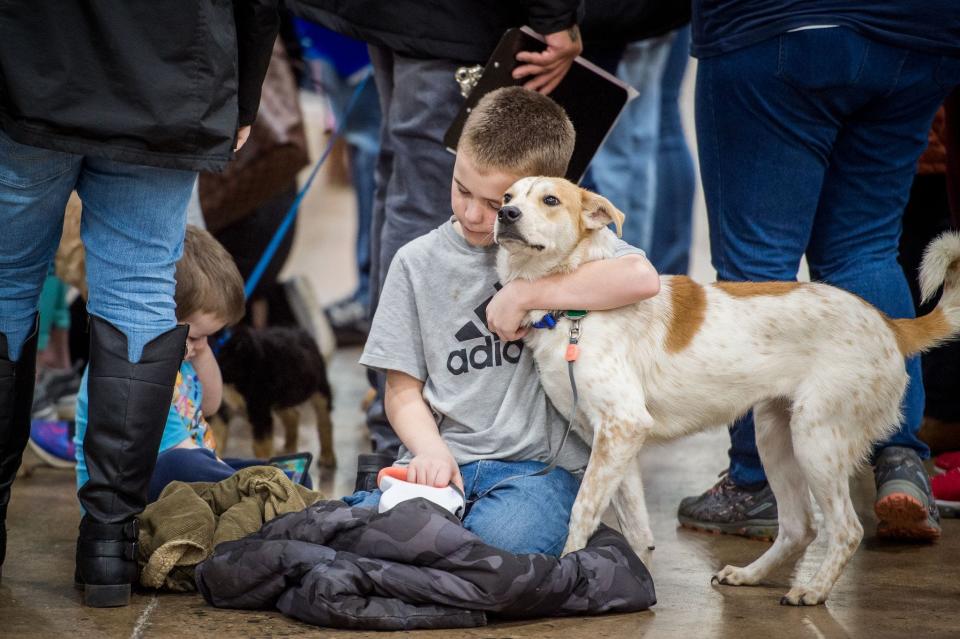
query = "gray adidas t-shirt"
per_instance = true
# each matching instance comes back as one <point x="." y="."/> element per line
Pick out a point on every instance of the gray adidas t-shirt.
<point x="485" y="394"/>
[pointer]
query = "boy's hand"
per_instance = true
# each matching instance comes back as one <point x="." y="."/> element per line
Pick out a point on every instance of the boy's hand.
<point x="507" y="310"/>
<point x="195" y="346"/>
<point x="435" y="468"/>
<point x="550" y="65"/>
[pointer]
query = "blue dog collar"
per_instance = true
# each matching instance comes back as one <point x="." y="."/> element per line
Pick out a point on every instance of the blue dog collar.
<point x="550" y="319"/>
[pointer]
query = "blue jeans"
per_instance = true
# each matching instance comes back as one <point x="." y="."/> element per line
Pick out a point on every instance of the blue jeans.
<point x="361" y="130"/>
<point x="676" y="180"/>
<point x="197" y="464"/>
<point x="132" y="227"/>
<point x="808" y="143"/>
<point x="624" y="170"/>
<point x="524" y="515"/>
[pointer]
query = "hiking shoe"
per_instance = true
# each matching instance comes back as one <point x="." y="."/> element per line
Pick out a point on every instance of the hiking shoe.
<point x="946" y="462"/>
<point x="748" y="511"/>
<point x="55" y="394"/>
<point x="368" y="467"/>
<point x="946" y="492"/>
<point x="905" y="505"/>
<point x="348" y="319"/>
<point x="52" y="442"/>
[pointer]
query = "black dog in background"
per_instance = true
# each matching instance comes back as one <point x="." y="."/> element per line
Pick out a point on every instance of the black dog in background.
<point x="278" y="369"/>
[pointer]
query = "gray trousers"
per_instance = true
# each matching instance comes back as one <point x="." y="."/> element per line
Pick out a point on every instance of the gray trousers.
<point x="419" y="98"/>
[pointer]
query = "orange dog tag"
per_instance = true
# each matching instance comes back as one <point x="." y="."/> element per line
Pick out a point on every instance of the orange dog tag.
<point x="572" y="352"/>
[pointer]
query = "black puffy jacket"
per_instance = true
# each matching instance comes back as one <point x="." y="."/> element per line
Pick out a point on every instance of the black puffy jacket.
<point x="414" y="566"/>
<point x="158" y="83"/>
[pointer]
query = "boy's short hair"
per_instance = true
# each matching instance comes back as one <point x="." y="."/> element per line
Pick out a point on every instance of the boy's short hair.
<point x="208" y="280"/>
<point x="518" y="131"/>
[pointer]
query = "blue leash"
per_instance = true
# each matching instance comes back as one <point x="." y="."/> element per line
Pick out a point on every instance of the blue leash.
<point x="284" y="227"/>
<point x="268" y="254"/>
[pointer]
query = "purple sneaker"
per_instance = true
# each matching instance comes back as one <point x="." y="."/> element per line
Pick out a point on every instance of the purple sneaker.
<point x="52" y="442"/>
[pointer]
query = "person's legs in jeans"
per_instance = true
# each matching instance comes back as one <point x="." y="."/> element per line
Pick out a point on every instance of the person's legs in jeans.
<point x="522" y="515"/>
<point x="132" y="227"/>
<point x="361" y="131"/>
<point x="855" y="246"/>
<point x="624" y="170"/>
<point x="676" y="176"/>
<point x="762" y="173"/>
<point x="133" y="222"/>
<point x="776" y="111"/>
<point x="34" y="187"/>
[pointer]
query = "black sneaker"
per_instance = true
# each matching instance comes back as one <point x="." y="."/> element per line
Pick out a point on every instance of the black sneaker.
<point x="368" y="467"/>
<point x="732" y="510"/>
<point x="348" y="319"/>
<point x="905" y="506"/>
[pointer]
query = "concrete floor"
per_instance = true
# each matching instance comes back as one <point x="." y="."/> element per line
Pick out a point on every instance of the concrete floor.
<point x="888" y="590"/>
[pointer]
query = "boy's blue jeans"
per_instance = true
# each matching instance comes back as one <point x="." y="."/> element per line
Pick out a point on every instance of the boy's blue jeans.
<point x="808" y="144"/>
<point x="132" y="227"/>
<point x="524" y="515"/>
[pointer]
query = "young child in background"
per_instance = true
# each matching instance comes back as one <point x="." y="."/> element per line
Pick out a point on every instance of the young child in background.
<point x="462" y="392"/>
<point x="209" y="297"/>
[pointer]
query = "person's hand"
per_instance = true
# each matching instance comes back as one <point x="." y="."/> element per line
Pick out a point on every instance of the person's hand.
<point x="196" y="346"/>
<point x="242" y="134"/>
<point x="435" y="468"/>
<point x="547" y="68"/>
<point x="506" y="312"/>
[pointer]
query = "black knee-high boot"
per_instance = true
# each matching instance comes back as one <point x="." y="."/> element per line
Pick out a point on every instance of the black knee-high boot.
<point x="16" y="399"/>
<point x="128" y="406"/>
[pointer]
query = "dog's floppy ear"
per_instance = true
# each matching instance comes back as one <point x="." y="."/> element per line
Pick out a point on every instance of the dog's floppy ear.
<point x="598" y="212"/>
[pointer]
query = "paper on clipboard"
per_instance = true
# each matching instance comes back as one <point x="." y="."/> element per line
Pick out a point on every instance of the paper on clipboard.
<point x="592" y="98"/>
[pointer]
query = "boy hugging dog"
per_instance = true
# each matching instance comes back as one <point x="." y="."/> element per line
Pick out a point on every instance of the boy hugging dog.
<point x="462" y="391"/>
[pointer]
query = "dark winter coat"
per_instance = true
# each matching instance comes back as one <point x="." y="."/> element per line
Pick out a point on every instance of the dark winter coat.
<point x="413" y="567"/>
<point x="459" y="30"/>
<point x="158" y="83"/>
<point x="468" y="30"/>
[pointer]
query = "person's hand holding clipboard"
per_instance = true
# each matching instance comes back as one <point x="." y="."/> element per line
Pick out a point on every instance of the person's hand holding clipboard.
<point x="548" y="67"/>
<point x="592" y="98"/>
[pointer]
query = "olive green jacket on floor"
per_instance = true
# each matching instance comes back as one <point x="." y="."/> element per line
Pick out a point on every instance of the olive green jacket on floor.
<point x="186" y="523"/>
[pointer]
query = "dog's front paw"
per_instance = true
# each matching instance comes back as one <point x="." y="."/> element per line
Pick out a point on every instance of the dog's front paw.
<point x="803" y="596"/>
<point x="572" y="545"/>
<point x="733" y="576"/>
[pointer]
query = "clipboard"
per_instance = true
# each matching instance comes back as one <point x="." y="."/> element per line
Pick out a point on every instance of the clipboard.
<point x="592" y="98"/>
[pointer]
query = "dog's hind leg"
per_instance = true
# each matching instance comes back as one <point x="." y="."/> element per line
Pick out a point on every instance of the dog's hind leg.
<point x="616" y="443"/>
<point x="789" y="486"/>
<point x="321" y="406"/>
<point x="631" y="510"/>
<point x="290" y="418"/>
<point x="827" y="460"/>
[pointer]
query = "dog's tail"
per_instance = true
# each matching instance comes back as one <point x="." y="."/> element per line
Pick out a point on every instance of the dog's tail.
<point x="941" y="266"/>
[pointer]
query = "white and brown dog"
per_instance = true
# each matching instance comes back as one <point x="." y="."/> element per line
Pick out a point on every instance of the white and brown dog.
<point x="823" y="370"/>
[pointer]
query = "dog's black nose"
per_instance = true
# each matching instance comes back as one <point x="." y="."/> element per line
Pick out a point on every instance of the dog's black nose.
<point x="508" y="214"/>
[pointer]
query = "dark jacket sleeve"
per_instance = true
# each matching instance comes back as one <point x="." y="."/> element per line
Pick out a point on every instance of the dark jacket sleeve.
<point x="257" y="25"/>
<point x="550" y="16"/>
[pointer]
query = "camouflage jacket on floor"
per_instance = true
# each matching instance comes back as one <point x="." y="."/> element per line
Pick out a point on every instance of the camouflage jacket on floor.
<point x="413" y="567"/>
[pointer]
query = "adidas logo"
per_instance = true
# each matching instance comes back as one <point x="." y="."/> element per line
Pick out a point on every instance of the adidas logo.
<point x="492" y="352"/>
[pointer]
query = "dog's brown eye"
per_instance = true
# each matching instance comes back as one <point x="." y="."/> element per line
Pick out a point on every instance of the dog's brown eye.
<point x="507" y="197"/>
<point x="551" y="201"/>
